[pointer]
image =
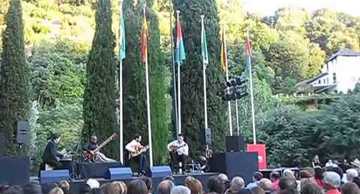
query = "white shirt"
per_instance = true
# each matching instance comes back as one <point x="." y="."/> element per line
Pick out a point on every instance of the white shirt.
<point x="132" y="145"/>
<point x="183" y="148"/>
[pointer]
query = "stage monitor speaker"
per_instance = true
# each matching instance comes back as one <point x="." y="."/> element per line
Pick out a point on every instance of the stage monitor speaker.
<point x="119" y="173"/>
<point x="14" y="170"/>
<point x="206" y="136"/>
<point x="235" y="143"/>
<point x="23" y="135"/>
<point x="53" y="176"/>
<point x="96" y="170"/>
<point x="160" y="171"/>
<point x="243" y="164"/>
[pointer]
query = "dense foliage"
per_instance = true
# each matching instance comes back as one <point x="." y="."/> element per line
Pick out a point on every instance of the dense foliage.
<point x="14" y="79"/>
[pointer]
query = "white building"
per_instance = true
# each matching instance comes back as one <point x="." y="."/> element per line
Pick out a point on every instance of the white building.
<point x="340" y="74"/>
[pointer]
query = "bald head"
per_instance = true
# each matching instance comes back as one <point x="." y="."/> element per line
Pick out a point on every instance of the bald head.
<point x="165" y="187"/>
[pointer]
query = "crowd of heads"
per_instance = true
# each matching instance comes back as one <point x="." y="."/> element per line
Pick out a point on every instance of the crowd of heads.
<point x="329" y="180"/>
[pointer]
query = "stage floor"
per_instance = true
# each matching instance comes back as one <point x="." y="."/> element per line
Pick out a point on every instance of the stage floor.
<point x="76" y="185"/>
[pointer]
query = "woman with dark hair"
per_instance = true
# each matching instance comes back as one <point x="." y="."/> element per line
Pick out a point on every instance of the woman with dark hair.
<point x="311" y="188"/>
<point x="137" y="187"/>
<point x="350" y="188"/>
<point x="319" y="176"/>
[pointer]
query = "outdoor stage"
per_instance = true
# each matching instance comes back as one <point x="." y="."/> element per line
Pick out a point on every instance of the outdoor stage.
<point x="76" y="185"/>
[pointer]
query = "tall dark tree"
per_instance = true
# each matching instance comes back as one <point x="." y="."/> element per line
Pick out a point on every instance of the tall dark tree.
<point x="14" y="79"/>
<point x="192" y="113"/>
<point x="100" y="91"/>
<point x="135" y="119"/>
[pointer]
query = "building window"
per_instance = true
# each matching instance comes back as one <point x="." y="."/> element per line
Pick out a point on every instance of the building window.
<point x="334" y="78"/>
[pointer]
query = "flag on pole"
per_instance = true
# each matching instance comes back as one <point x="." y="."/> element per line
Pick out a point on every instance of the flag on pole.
<point x="248" y="47"/>
<point x="180" y="50"/>
<point x="122" y="47"/>
<point x="204" y="50"/>
<point x="144" y="40"/>
<point x="224" y="61"/>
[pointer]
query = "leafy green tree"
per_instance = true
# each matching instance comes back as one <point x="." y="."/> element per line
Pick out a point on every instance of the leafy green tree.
<point x="99" y="95"/>
<point x="191" y="73"/>
<point x="14" y="79"/>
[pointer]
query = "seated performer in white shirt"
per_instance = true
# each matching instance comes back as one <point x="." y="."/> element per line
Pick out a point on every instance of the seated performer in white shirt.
<point x="137" y="153"/>
<point x="179" y="151"/>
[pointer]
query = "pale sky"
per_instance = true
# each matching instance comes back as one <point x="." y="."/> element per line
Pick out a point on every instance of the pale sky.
<point x="267" y="7"/>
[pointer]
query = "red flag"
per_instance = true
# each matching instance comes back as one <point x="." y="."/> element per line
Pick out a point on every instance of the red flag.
<point x="248" y="47"/>
<point x="144" y="41"/>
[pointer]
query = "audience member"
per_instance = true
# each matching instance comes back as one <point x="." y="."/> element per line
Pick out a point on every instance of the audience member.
<point x="65" y="186"/>
<point x="56" y="190"/>
<point x="93" y="183"/>
<point x="319" y="176"/>
<point x="148" y="182"/>
<point x="224" y="178"/>
<point x="257" y="190"/>
<point x="275" y="179"/>
<point x="332" y="182"/>
<point x="256" y="178"/>
<point x="137" y="187"/>
<point x="351" y="174"/>
<point x="311" y="188"/>
<point x="287" y="183"/>
<point x="356" y="180"/>
<point x="32" y="188"/>
<point x="266" y="185"/>
<point x="350" y="188"/>
<point x="114" y="188"/>
<point x="194" y="185"/>
<point x="236" y="184"/>
<point x="165" y="187"/>
<point x="180" y="190"/>
<point x="14" y="190"/>
<point x="215" y="184"/>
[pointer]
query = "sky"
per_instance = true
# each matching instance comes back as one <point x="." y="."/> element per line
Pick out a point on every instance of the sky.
<point x="268" y="7"/>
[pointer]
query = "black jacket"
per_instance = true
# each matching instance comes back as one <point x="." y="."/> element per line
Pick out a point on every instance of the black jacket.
<point x="51" y="154"/>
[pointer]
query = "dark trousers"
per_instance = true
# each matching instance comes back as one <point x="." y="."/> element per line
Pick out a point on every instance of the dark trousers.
<point x="175" y="160"/>
<point x="142" y="161"/>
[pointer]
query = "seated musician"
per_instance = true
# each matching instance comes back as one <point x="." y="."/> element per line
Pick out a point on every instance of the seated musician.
<point x="98" y="156"/>
<point x="137" y="153"/>
<point x="179" y="151"/>
<point x="51" y="155"/>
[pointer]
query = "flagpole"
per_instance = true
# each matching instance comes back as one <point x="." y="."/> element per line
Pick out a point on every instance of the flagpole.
<point x="174" y="72"/>
<point x="204" y="79"/>
<point x="148" y="103"/>
<point x="178" y="84"/>
<point x="227" y="79"/>
<point x="237" y="117"/>
<point x="121" y="132"/>
<point x="251" y="94"/>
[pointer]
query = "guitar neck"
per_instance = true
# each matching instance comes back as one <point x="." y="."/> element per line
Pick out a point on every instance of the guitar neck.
<point x="103" y="144"/>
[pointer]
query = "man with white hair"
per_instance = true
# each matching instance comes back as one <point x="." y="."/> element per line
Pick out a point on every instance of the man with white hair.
<point x="351" y="174"/>
<point x="236" y="184"/>
<point x="180" y="190"/>
<point x="332" y="182"/>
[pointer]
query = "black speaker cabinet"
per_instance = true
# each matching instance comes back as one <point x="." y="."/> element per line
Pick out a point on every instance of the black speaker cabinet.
<point x="206" y="136"/>
<point x="235" y="143"/>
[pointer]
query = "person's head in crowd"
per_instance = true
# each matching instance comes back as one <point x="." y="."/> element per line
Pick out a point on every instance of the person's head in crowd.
<point x="236" y="184"/>
<point x="137" y="187"/>
<point x="336" y="169"/>
<point x="180" y="190"/>
<point x="306" y="173"/>
<point x="93" y="183"/>
<point x="225" y="179"/>
<point x="288" y="183"/>
<point x="332" y="180"/>
<point x="288" y="173"/>
<point x="274" y="176"/>
<point x="14" y="190"/>
<point x="215" y="184"/>
<point x="96" y="191"/>
<point x="319" y="173"/>
<point x="350" y="188"/>
<point x="257" y="176"/>
<point x="257" y="190"/>
<point x="148" y="182"/>
<point x="46" y="188"/>
<point x="165" y="187"/>
<point x="116" y="187"/>
<point x="310" y="188"/>
<point x="194" y="185"/>
<point x="170" y="178"/>
<point x="351" y="174"/>
<point x="266" y="185"/>
<point x="65" y="186"/>
<point x="32" y="188"/>
<point x="244" y="191"/>
<point x="56" y="190"/>
<point x="84" y="189"/>
<point x="356" y="180"/>
<point x="188" y="179"/>
<point x="3" y="188"/>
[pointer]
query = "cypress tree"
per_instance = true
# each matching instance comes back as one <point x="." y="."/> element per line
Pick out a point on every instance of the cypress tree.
<point x="100" y="91"/>
<point x="14" y="79"/>
<point x="135" y="120"/>
<point x="192" y="113"/>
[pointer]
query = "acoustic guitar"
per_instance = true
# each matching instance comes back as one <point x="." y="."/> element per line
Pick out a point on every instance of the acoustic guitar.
<point x="89" y="155"/>
<point x="138" y="151"/>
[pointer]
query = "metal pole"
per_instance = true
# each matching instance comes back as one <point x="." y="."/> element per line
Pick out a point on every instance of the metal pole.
<point x="178" y="84"/>
<point x="174" y="73"/>
<point x="237" y="117"/>
<point x="204" y="81"/>
<point x="121" y="132"/>
<point x="148" y="105"/>
<point x="251" y="96"/>
<point x="227" y="79"/>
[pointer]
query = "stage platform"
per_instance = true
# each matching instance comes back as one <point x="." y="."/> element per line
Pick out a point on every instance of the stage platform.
<point x="76" y="185"/>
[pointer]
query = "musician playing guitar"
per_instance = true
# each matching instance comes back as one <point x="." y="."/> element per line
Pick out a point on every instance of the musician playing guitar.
<point x="92" y="150"/>
<point x="137" y="153"/>
<point x="179" y="151"/>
